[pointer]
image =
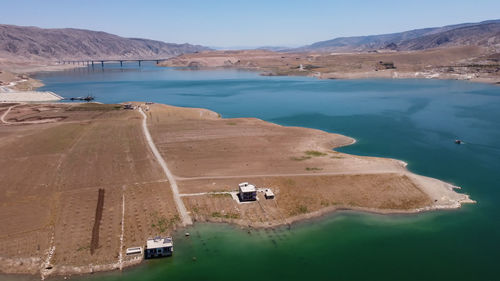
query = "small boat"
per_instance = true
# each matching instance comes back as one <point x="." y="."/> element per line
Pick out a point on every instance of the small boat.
<point x="87" y="98"/>
<point x="459" y="141"/>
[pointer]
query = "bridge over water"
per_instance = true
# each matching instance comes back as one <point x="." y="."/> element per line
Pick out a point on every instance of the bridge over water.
<point x="93" y="62"/>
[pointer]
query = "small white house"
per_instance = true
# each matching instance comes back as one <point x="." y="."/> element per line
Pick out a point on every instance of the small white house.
<point x="268" y="193"/>
<point x="159" y="247"/>
<point x="247" y="192"/>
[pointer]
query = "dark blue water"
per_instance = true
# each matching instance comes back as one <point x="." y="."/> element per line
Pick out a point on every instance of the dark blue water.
<point x="413" y="120"/>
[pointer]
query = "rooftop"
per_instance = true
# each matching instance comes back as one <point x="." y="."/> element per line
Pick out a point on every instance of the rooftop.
<point x="247" y="188"/>
<point x="159" y="242"/>
<point x="269" y="192"/>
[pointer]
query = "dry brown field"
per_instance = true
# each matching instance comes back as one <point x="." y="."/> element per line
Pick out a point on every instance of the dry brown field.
<point x="209" y="155"/>
<point x="51" y="174"/>
<point x="79" y="183"/>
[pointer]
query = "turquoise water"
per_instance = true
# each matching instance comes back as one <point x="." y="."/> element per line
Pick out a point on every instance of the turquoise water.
<point x="412" y="120"/>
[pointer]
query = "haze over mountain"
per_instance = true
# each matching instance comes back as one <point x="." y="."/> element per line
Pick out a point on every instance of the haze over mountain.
<point x="19" y="43"/>
<point x="485" y="34"/>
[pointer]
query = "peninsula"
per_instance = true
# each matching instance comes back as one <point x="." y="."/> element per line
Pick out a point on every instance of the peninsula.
<point x="156" y="168"/>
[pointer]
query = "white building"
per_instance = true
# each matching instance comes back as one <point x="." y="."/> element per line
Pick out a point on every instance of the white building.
<point x="159" y="247"/>
<point x="268" y="193"/>
<point x="247" y="192"/>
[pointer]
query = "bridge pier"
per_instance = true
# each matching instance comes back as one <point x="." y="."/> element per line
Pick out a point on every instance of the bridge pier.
<point x="91" y="62"/>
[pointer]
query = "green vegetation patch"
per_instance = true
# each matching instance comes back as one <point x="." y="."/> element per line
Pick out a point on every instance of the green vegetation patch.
<point x="94" y="107"/>
<point x="314" y="153"/>
<point x="299" y="209"/>
<point x="83" y="248"/>
<point x="301" y="158"/>
<point x="161" y="224"/>
<point x="220" y="195"/>
<point x="226" y="216"/>
<point x="313" y="169"/>
<point x="336" y="157"/>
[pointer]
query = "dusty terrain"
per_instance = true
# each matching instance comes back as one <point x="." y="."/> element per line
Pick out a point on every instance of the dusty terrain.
<point x="209" y="156"/>
<point x="51" y="175"/>
<point x="464" y="63"/>
<point x="17" y="82"/>
<point x="80" y="182"/>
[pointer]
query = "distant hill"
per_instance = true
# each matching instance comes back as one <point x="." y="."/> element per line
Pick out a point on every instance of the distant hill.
<point x="486" y="33"/>
<point x="19" y="43"/>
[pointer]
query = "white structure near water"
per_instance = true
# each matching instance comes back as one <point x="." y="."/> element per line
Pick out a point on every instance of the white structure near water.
<point x="28" y="96"/>
<point x="247" y="192"/>
<point x="159" y="247"/>
<point x="134" y="251"/>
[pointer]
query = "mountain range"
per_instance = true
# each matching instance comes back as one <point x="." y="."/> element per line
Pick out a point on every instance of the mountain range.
<point x="29" y="44"/>
<point x="20" y="43"/>
<point x="486" y="34"/>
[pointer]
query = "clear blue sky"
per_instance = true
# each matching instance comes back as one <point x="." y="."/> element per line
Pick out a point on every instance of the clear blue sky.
<point x="230" y="23"/>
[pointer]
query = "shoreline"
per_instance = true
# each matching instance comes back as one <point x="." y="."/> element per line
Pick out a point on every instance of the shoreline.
<point x="454" y="202"/>
<point x="454" y="63"/>
<point x="354" y="75"/>
<point x="66" y="271"/>
<point x="330" y="210"/>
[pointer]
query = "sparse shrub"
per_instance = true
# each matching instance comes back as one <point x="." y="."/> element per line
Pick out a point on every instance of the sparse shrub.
<point x="302" y="158"/>
<point x="314" y="153"/>
<point x="313" y="169"/>
<point x="161" y="224"/>
<point x="299" y="209"/>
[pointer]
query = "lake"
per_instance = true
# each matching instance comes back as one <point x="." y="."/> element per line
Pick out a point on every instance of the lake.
<point x="413" y="120"/>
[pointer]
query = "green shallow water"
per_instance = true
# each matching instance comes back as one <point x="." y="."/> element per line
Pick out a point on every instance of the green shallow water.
<point x="412" y="120"/>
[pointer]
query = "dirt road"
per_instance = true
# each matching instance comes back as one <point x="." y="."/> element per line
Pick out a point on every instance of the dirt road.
<point x="185" y="218"/>
<point x="5" y="114"/>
